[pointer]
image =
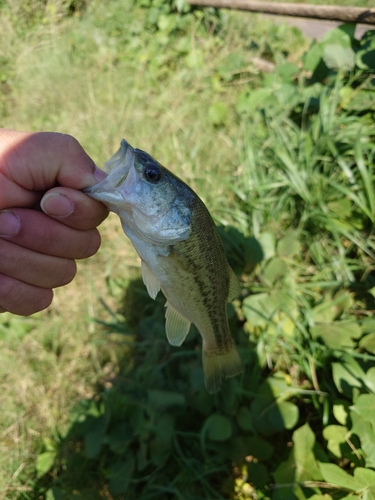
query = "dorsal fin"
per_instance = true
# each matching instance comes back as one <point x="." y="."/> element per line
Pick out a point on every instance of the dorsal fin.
<point x="150" y="280"/>
<point x="234" y="286"/>
<point x="176" y="326"/>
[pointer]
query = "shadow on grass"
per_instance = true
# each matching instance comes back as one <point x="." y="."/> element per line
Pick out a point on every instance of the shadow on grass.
<point x="152" y="430"/>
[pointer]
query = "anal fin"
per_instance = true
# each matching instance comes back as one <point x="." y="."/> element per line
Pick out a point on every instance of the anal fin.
<point x="150" y="280"/>
<point x="176" y="326"/>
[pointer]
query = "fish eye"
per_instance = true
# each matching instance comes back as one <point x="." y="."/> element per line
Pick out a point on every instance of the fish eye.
<point x="152" y="172"/>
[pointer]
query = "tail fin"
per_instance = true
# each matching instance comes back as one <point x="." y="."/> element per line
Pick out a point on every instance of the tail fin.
<point x="219" y="366"/>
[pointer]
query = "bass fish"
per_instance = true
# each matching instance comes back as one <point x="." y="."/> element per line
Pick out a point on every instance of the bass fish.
<point x="181" y="252"/>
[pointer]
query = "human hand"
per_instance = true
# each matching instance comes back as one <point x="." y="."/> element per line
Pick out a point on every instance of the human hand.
<point x="38" y="250"/>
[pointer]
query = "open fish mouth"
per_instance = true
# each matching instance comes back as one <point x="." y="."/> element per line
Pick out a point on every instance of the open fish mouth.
<point x="117" y="167"/>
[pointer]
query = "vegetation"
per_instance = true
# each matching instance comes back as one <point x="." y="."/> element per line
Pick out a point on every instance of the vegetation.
<point x="95" y="403"/>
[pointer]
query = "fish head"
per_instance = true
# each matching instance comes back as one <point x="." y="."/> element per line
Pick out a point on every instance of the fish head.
<point x="151" y="202"/>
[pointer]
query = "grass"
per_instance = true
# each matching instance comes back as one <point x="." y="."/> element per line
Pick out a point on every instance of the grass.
<point x="97" y="406"/>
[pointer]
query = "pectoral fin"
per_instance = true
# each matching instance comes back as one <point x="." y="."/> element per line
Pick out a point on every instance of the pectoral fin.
<point x="234" y="286"/>
<point x="176" y="326"/>
<point x="150" y="280"/>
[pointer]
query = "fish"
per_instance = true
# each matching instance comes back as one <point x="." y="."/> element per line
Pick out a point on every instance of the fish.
<point x="181" y="254"/>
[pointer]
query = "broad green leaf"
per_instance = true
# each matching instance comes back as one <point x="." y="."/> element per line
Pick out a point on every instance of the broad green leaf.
<point x="333" y="474"/>
<point x="84" y="409"/>
<point x="248" y="102"/>
<point x="341" y="411"/>
<point x="55" y="493"/>
<point x="368" y="325"/>
<point x="286" y="93"/>
<point x="362" y="101"/>
<point x="275" y="269"/>
<point x="365" y="476"/>
<point x="338" y="334"/>
<point x="260" y="309"/>
<point x="365" y="406"/>
<point x="335" y="435"/>
<point x="319" y="496"/>
<point x="287" y="71"/>
<point x="276" y="386"/>
<point x="244" y="418"/>
<point x="271" y="416"/>
<point x="285" y="472"/>
<point x="365" y="431"/>
<point x="93" y="443"/>
<point x="258" y="474"/>
<point x="119" y="437"/>
<point x="164" y="428"/>
<point x="119" y="475"/>
<point x="289" y="245"/>
<point x="369" y="494"/>
<point x="301" y="464"/>
<point x="289" y="413"/>
<point x="365" y="57"/>
<point x="259" y="448"/>
<point x="159" y="451"/>
<point x="164" y="399"/>
<point x="343" y="35"/>
<point x="368" y="343"/>
<point x="322" y="313"/>
<point x="44" y="462"/>
<point x="338" y="58"/>
<point x="275" y="417"/>
<point x="267" y="242"/>
<point x="256" y="309"/>
<point x="307" y="467"/>
<point x="313" y="57"/>
<point x="343" y="207"/>
<point x="369" y="380"/>
<point x="347" y="375"/>
<point x="330" y="309"/>
<point x="218" y="427"/>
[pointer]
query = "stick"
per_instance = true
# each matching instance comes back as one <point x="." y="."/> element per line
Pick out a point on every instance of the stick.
<point x="327" y="12"/>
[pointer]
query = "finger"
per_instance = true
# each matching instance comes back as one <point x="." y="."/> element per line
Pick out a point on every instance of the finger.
<point x="34" y="268"/>
<point x="38" y="232"/>
<point x="73" y="208"/>
<point x="22" y="298"/>
<point x="32" y="162"/>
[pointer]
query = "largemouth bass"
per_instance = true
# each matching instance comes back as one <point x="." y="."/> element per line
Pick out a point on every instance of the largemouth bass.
<point x="181" y="253"/>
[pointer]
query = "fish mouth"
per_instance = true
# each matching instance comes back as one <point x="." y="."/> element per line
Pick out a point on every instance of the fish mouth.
<point x="118" y="167"/>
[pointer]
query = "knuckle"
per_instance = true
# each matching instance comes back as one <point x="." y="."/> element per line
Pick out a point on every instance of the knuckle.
<point x="70" y="143"/>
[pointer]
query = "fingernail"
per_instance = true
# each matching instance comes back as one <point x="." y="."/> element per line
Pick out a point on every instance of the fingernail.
<point x="57" y="205"/>
<point x="9" y="223"/>
<point x="99" y="174"/>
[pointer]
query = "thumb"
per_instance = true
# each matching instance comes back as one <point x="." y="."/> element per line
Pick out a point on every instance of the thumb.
<point x="32" y="162"/>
